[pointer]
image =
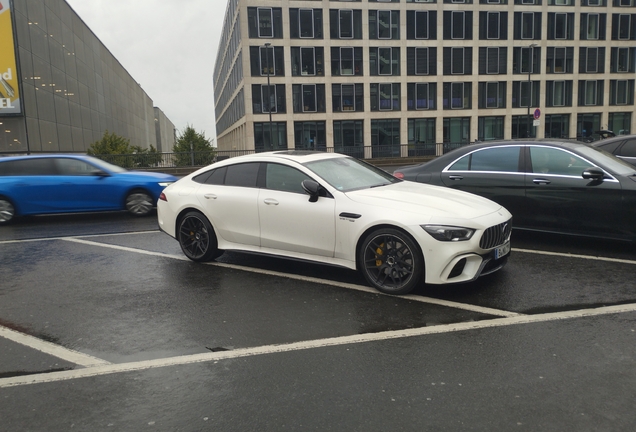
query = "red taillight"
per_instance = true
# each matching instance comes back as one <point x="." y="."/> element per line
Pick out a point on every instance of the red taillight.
<point x="398" y="175"/>
<point x="162" y="197"/>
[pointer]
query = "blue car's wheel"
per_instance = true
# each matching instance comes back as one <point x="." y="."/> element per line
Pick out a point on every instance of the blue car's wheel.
<point x="139" y="203"/>
<point x="7" y="211"/>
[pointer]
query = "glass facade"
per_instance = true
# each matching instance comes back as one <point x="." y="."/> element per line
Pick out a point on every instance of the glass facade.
<point x="73" y="89"/>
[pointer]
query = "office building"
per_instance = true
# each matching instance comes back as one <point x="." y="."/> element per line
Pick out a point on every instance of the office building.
<point x="61" y="88"/>
<point x="377" y="75"/>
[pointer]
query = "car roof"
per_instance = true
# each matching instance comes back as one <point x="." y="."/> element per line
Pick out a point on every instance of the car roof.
<point x="299" y="156"/>
<point x="606" y="141"/>
<point x="43" y="156"/>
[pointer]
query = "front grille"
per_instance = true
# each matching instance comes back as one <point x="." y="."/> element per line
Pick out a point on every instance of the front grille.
<point x="496" y="235"/>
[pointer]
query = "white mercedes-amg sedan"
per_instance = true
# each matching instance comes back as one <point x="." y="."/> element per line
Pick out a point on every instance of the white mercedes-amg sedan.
<point x="337" y="210"/>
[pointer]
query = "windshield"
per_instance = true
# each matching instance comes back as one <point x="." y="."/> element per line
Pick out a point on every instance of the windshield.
<point x="347" y="174"/>
<point x="607" y="160"/>
<point x="106" y="166"/>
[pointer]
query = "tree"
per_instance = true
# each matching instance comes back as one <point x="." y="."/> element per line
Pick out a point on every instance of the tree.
<point x="117" y="150"/>
<point x="193" y="148"/>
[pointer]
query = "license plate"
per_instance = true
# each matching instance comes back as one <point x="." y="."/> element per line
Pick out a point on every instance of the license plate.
<point x="502" y="250"/>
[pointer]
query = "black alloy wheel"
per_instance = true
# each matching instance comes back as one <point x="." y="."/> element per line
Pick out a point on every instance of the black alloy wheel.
<point x="391" y="261"/>
<point x="139" y="203"/>
<point x="197" y="239"/>
<point x="7" y="211"/>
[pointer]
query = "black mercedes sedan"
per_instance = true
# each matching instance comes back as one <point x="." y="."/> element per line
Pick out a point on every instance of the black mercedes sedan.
<point x="622" y="146"/>
<point x="550" y="186"/>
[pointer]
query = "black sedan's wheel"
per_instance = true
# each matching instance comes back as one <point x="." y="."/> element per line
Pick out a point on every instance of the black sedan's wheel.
<point x="197" y="239"/>
<point x="139" y="203"/>
<point x="391" y="261"/>
<point x="7" y="211"/>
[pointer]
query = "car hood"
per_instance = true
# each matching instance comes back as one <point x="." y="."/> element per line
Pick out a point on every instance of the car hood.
<point x="425" y="199"/>
<point x="148" y="176"/>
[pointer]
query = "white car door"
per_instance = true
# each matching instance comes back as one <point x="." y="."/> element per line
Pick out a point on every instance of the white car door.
<point x="289" y="222"/>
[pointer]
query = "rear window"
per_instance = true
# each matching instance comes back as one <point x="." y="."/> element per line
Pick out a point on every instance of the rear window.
<point x="28" y="167"/>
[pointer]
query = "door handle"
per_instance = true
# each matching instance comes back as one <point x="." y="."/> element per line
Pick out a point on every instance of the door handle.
<point x="455" y="177"/>
<point x="541" y="181"/>
<point x="210" y="196"/>
<point x="270" y="201"/>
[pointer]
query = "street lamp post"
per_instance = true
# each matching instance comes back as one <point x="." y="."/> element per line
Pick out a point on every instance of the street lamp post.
<point x="530" y="57"/>
<point x="269" y="95"/>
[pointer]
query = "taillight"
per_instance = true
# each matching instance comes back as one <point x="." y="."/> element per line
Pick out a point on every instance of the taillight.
<point x="398" y="175"/>
<point x="162" y="197"/>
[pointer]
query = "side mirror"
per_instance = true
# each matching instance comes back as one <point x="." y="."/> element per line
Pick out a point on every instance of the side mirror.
<point x="593" y="173"/>
<point x="312" y="188"/>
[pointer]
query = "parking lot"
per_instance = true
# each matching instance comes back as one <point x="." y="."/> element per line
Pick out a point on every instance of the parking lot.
<point x="105" y="325"/>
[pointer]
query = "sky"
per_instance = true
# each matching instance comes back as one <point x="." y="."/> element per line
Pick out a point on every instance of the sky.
<point x="168" y="47"/>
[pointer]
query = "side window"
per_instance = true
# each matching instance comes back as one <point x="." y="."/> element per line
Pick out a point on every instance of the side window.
<point x="629" y="149"/>
<point x="461" y="165"/>
<point x="501" y="159"/>
<point x="213" y="177"/>
<point x="28" y="167"/>
<point x="74" y="167"/>
<point x="244" y="175"/>
<point x="284" y="178"/>
<point x="547" y="160"/>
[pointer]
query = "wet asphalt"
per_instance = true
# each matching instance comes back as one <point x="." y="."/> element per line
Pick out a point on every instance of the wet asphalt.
<point x="105" y="326"/>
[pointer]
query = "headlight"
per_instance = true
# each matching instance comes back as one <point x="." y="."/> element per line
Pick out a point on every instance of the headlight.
<point x="449" y="233"/>
<point x="164" y="184"/>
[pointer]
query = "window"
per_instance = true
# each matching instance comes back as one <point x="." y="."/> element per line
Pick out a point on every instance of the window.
<point x="527" y="25"/>
<point x="310" y="135"/>
<point x="456" y="131"/>
<point x="458" y="25"/>
<point x="262" y="139"/>
<point x="492" y="94"/>
<point x="284" y="178"/>
<point x="524" y="93"/>
<point x="385" y="137"/>
<point x="421" y="61"/>
<point x="560" y="26"/>
<point x="592" y="60"/>
<point x="458" y="61"/>
<point x="345" y="24"/>
<point x="384" y="61"/>
<point x="305" y="23"/>
<point x="384" y="24"/>
<point x="558" y="93"/>
<point x="587" y="124"/>
<point x="307" y="61"/>
<point x="622" y="59"/>
<point x="457" y="95"/>
<point x="590" y="92"/>
<point x="421" y="25"/>
<point x="593" y="26"/>
<point x="526" y="59"/>
<point x="621" y="124"/>
<point x="308" y="98"/>
<point x="346" y="61"/>
<point x="621" y="92"/>
<point x="385" y="97"/>
<point x="347" y="97"/>
<point x="522" y="127"/>
<point x="262" y="57"/>
<point x="547" y="160"/>
<point x="623" y="27"/>
<point x="493" y="25"/>
<point x="492" y="60"/>
<point x="265" y="22"/>
<point x="421" y="133"/>
<point x="560" y="60"/>
<point x="265" y="99"/>
<point x="421" y="96"/>
<point x="557" y="126"/>
<point x="348" y="137"/>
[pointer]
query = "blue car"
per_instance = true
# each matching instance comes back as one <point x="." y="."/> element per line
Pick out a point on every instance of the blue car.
<point x="46" y="184"/>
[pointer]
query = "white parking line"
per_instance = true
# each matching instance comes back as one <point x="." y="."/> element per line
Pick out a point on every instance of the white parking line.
<point x="304" y="345"/>
<point x="58" y="351"/>
<point x="568" y="255"/>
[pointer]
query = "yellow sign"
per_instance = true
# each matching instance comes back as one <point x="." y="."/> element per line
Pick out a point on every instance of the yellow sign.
<point x="9" y="89"/>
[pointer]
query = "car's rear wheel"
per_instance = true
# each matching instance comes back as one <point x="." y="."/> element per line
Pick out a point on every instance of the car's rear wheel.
<point x="7" y="211"/>
<point x="391" y="261"/>
<point x="139" y="203"/>
<point x="196" y="238"/>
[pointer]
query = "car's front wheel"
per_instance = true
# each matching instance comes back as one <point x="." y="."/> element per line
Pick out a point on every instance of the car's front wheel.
<point x="7" y="211"/>
<point x="196" y="238"/>
<point x="391" y="261"/>
<point x="139" y="203"/>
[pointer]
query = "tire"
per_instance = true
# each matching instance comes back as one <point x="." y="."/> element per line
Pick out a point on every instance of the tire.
<point x="139" y="203"/>
<point x="7" y="211"/>
<point x="196" y="238"/>
<point x="391" y="261"/>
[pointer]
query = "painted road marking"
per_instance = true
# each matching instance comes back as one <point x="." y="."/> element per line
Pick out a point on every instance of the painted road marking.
<point x="305" y="345"/>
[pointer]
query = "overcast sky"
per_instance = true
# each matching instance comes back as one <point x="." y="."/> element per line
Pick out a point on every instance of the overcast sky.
<point x="169" y="47"/>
